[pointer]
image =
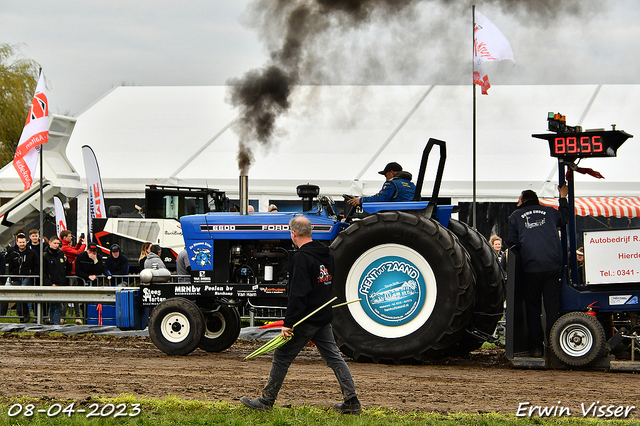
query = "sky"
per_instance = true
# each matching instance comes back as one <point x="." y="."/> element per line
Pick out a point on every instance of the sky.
<point x="88" y="47"/>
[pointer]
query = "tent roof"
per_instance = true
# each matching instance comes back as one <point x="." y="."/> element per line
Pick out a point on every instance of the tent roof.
<point x="338" y="137"/>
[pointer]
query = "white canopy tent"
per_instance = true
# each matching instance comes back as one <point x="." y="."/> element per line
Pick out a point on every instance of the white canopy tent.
<point x="338" y="137"/>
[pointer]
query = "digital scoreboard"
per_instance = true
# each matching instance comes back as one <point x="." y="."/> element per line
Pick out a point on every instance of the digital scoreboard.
<point x="585" y="144"/>
<point x="571" y="142"/>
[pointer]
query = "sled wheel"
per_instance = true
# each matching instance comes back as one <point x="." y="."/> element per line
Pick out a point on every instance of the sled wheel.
<point x="221" y="329"/>
<point x="490" y="286"/>
<point x="415" y="283"/>
<point x="176" y="326"/>
<point x="577" y="338"/>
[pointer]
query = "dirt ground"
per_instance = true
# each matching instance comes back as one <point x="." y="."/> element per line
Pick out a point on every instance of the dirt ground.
<point x="78" y="367"/>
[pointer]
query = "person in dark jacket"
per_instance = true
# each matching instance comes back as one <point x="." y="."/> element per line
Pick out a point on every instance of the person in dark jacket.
<point x="22" y="261"/>
<point x="533" y="230"/>
<point x="397" y="187"/>
<point x="88" y="265"/>
<point x="116" y="264"/>
<point x="311" y="272"/>
<point x="54" y="273"/>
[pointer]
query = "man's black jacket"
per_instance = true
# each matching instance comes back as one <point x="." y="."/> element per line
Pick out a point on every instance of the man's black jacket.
<point x="23" y="262"/>
<point x="54" y="267"/>
<point x="311" y="274"/>
<point x="86" y="266"/>
<point x="533" y="229"/>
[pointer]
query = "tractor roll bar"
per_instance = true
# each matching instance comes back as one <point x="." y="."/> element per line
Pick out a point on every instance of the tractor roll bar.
<point x="423" y="168"/>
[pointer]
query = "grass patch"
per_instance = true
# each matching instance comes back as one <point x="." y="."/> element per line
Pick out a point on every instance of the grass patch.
<point x="176" y="411"/>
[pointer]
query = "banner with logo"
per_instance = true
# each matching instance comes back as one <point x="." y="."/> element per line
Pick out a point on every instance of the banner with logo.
<point x="97" y="208"/>
<point x="61" y="221"/>
<point x="34" y="134"/>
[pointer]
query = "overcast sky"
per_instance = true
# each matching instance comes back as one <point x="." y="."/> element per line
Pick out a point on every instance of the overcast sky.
<point x="88" y="47"/>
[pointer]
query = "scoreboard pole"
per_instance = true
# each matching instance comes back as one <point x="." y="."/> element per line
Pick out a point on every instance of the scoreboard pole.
<point x="568" y="238"/>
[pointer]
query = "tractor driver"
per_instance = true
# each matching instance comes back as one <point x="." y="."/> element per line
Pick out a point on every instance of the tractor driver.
<point x="398" y="187"/>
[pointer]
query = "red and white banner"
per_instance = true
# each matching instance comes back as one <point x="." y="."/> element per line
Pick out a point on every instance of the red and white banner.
<point x="489" y="44"/>
<point x="97" y="208"/>
<point x="602" y="206"/>
<point x="61" y="221"/>
<point x="34" y="134"/>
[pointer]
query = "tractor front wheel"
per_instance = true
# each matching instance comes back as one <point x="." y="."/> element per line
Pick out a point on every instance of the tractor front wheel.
<point x="176" y="326"/>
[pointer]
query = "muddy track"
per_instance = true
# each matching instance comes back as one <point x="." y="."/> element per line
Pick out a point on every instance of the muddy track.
<point x="78" y="367"/>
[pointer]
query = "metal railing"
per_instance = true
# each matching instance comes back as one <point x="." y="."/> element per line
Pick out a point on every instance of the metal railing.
<point x="101" y="290"/>
<point x="263" y="313"/>
<point x="80" y="291"/>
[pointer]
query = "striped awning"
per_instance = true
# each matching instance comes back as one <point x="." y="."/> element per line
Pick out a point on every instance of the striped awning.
<point x="602" y="206"/>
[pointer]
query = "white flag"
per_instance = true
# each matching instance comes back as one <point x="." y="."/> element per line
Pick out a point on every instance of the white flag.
<point x="94" y="187"/>
<point x="34" y="134"/>
<point x="61" y="221"/>
<point x="489" y="45"/>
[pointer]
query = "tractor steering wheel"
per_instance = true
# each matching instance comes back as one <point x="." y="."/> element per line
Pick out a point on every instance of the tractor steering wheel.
<point x="349" y="209"/>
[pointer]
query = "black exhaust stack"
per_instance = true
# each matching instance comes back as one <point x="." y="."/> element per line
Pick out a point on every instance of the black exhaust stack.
<point x="307" y="193"/>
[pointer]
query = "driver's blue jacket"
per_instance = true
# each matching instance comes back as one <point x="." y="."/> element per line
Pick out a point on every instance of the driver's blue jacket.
<point x="400" y="188"/>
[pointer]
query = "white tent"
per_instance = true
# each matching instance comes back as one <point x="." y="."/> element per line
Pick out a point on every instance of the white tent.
<point x="338" y="137"/>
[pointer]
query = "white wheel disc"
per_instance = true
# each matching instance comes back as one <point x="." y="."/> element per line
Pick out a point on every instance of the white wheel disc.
<point x="576" y="340"/>
<point x="397" y="287"/>
<point x="175" y="327"/>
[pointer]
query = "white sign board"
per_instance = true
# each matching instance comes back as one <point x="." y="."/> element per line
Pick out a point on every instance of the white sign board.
<point x="612" y="256"/>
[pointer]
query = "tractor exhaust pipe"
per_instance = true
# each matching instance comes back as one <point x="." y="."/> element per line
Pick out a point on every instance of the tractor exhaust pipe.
<point x="244" y="194"/>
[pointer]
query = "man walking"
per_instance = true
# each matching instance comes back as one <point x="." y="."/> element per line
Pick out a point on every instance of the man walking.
<point x="311" y="272"/>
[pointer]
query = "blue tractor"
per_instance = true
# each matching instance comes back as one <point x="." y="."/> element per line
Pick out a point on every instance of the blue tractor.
<point x="429" y="285"/>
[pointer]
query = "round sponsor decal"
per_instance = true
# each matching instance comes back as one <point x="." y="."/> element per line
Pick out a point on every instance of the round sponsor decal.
<point x="392" y="290"/>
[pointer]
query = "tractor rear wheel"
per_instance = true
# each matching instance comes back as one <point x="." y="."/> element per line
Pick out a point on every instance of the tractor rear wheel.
<point x="176" y="326"/>
<point x="577" y="338"/>
<point x="490" y="286"/>
<point x="221" y="329"/>
<point x="416" y="286"/>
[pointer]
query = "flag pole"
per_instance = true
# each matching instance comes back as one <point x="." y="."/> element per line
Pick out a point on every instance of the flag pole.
<point x="41" y="233"/>
<point x="473" y="85"/>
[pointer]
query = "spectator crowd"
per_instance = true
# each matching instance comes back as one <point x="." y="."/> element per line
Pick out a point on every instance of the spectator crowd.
<point x="63" y="263"/>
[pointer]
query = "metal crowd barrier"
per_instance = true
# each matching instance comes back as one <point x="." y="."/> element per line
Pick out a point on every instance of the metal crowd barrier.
<point x="102" y="290"/>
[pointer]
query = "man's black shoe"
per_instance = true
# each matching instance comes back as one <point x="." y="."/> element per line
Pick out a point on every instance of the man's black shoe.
<point x="351" y="406"/>
<point x="256" y="404"/>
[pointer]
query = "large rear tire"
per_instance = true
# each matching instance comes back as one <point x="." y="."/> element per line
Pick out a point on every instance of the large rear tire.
<point x="415" y="283"/>
<point x="221" y="329"/>
<point x="490" y="286"/>
<point x="577" y="338"/>
<point x="176" y="326"/>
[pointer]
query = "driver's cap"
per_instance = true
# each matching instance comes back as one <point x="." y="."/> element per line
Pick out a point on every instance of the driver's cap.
<point x="391" y="167"/>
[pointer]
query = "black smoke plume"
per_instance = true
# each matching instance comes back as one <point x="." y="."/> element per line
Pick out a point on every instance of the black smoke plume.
<point x="294" y="30"/>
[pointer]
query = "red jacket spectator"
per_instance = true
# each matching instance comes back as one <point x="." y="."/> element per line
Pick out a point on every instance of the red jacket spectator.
<point x="69" y="250"/>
